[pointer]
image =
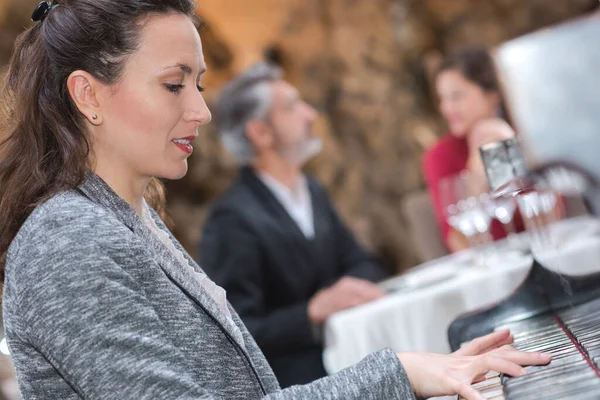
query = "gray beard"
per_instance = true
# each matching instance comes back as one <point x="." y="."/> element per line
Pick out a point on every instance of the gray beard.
<point x="303" y="152"/>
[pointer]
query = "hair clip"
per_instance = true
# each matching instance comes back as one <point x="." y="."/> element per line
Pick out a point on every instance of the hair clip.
<point x="42" y="10"/>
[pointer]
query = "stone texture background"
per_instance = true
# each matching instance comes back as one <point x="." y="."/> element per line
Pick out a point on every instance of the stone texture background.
<point x="365" y="65"/>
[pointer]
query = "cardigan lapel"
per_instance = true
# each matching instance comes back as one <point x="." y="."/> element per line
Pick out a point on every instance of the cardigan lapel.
<point x="99" y="192"/>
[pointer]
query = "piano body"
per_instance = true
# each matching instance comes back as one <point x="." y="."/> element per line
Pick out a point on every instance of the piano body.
<point x="551" y="80"/>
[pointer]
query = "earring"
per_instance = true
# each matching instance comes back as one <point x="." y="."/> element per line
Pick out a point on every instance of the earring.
<point x="94" y="117"/>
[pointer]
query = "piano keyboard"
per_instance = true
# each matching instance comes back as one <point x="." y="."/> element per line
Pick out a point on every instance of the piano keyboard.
<point x="572" y="336"/>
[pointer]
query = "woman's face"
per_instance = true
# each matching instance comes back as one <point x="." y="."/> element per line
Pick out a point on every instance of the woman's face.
<point x="153" y="113"/>
<point x="464" y="103"/>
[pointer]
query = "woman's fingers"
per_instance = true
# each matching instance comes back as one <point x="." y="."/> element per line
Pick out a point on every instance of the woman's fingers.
<point x="507" y="361"/>
<point x="437" y="375"/>
<point x="521" y="357"/>
<point x="465" y="390"/>
<point x="507" y="341"/>
<point x="502" y="365"/>
<point x="485" y="343"/>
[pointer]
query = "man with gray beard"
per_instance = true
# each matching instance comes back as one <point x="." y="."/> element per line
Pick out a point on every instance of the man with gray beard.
<point x="274" y="241"/>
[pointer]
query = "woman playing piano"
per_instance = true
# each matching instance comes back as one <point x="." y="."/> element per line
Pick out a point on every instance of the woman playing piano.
<point x="100" y="301"/>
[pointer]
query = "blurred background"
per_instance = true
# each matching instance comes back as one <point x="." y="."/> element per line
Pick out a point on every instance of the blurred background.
<point x="367" y="67"/>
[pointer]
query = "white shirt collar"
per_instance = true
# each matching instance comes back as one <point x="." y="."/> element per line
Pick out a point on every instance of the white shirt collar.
<point x="297" y="201"/>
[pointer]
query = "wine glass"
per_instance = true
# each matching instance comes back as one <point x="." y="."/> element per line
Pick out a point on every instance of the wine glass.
<point x="463" y="201"/>
<point x="540" y="210"/>
<point x="503" y="209"/>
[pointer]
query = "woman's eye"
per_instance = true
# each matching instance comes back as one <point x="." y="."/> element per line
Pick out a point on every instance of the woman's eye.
<point x="200" y="88"/>
<point x="175" y="89"/>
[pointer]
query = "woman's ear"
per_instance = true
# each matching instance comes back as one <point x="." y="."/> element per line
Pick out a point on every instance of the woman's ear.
<point x="83" y="89"/>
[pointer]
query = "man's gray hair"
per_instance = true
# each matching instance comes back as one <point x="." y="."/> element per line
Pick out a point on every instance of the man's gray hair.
<point x="247" y="97"/>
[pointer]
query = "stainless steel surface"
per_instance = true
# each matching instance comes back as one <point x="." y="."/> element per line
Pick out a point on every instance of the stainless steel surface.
<point x="502" y="162"/>
<point x="552" y="86"/>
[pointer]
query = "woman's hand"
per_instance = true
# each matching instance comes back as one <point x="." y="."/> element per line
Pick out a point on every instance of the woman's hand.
<point x="482" y="133"/>
<point x="439" y="375"/>
<point x="489" y="131"/>
<point x="484" y="344"/>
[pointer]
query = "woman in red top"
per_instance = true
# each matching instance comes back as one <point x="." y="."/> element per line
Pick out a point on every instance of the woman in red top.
<point x="471" y="103"/>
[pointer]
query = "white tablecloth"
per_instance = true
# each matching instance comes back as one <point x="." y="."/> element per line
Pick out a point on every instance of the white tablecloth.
<point x="417" y="319"/>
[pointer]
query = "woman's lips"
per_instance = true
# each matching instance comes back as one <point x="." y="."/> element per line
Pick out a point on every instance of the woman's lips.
<point x="184" y="144"/>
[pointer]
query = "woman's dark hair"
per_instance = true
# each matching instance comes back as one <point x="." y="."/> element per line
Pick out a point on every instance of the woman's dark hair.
<point x="44" y="146"/>
<point x="475" y="64"/>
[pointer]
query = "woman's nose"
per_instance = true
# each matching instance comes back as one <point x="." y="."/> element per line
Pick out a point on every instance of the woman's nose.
<point x="198" y="112"/>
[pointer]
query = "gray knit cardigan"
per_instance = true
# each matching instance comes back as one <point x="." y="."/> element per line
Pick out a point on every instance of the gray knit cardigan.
<point x="96" y="307"/>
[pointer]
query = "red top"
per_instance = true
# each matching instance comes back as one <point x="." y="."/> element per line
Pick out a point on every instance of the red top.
<point x="449" y="157"/>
